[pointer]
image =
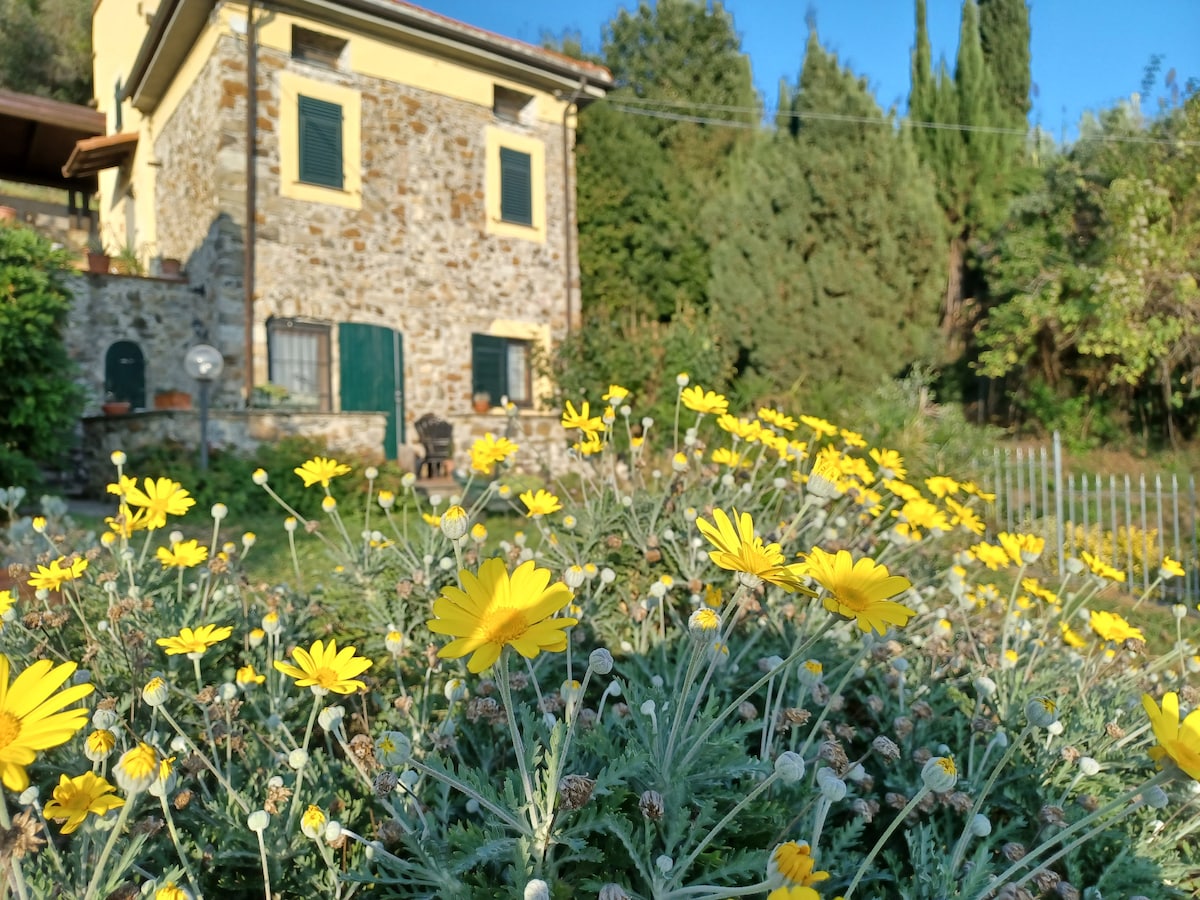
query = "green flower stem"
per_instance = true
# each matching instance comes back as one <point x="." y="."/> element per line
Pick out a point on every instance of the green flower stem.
<point x="883" y="839"/>
<point x="518" y="743"/>
<point x="208" y="764"/>
<point x="750" y="691"/>
<point x="122" y="818"/>
<point x="680" y="870"/>
<point x="295" y="559"/>
<point x="960" y="848"/>
<point x="174" y="832"/>
<point x="504" y="815"/>
<point x="716" y="892"/>
<point x="1112" y="805"/>
<point x="266" y="868"/>
<point x="689" y="676"/>
<point x="312" y="719"/>
<point x="18" y="878"/>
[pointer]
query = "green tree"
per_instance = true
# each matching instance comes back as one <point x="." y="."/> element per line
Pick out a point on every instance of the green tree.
<point x="645" y="173"/>
<point x="39" y="403"/>
<point x="1004" y="37"/>
<point x="828" y="264"/>
<point x="46" y="48"/>
<point x="1094" y="277"/>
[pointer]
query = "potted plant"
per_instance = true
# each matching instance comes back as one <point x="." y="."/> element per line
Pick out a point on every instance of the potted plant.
<point x="170" y="267"/>
<point x="482" y="402"/>
<point x="98" y="259"/>
<point x="172" y="399"/>
<point x="128" y="261"/>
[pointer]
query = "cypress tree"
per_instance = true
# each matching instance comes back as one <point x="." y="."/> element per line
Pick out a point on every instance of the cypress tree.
<point x="1004" y="36"/>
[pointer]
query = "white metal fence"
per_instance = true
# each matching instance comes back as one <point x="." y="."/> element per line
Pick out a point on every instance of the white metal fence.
<point x="1130" y="521"/>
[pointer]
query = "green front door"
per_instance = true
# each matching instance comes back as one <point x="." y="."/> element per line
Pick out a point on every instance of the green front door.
<point x="125" y="374"/>
<point x="372" y="376"/>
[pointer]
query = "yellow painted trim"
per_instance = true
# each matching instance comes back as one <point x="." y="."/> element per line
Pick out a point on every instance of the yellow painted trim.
<point x="522" y="143"/>
<point x="404" y="65"/>
<point x="291" y="87"/>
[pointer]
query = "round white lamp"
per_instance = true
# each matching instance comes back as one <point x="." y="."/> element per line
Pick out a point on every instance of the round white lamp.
<point x="204" y="363"/>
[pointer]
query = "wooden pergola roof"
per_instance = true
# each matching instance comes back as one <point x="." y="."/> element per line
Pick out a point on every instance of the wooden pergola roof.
<point x="39" y="137"/>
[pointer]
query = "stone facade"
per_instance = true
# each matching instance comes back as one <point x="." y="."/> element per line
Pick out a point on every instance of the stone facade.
<point x="163" y="317"/>
<point x="417" y="256"/>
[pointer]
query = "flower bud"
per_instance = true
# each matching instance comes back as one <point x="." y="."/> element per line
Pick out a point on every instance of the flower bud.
<point x="393" y="748"/>
<point x="455" y="523"/>
<point x="537" y="890"/>
<point x="118" y="457"/>
<point x="832" y="788"/>
<point x="704" y="623"/>
<point x="259" y="477"/>
<point x="329" y="504"/>
<point x="312" y="823"/>
<point x="1155" y="797"/>
<point x="980" y="826"/>
<point x="104" y="718"/>
<point x="573" y="577"/>
<point x="455" y="690"/>
<point x="298" y="759"/>
<point x="1041" y="712"/>
<point x="939" y="774"/>
<point x="789" y="767"/>
<point x="1088" y="766"/>
<point x="665" y="863"/>
<point x="155" y="692"/>
<point x="219" y="511"/>
<point x="330" y="718"/>
<point x="601" y="661"/>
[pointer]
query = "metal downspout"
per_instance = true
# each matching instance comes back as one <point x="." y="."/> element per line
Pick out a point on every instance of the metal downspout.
<point x="251" y="198"/>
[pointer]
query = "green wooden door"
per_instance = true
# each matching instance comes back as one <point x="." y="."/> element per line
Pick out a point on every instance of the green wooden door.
<point x="372" y="376"/>
<point x="125" y="374"/>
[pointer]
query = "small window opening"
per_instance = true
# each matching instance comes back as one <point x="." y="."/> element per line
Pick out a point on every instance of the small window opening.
<point x="511" y="106"/>
<point x="317" y="48"/>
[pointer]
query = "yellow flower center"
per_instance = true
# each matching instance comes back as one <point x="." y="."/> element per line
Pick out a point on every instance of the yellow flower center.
<point x="326" y="677"/>
<point x="504" y="626"/>
<point x="10" y="729"/>
<point x="852" y="598"/>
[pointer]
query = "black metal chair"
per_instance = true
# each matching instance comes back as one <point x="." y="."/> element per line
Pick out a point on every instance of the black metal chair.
<point x="437" y="440"/>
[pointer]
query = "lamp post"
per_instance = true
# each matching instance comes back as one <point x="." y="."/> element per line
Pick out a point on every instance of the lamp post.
<point x="204" y="363"/>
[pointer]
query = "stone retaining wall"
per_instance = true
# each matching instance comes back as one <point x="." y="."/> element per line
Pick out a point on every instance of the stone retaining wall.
<point x="349" y="434"/>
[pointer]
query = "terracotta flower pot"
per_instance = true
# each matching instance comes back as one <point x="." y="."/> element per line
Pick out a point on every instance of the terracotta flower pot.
<point x="172" y="400"/>
<point x="116" y="407"/>
<point x="171" y="268"/>
<point x="98" y="263"/>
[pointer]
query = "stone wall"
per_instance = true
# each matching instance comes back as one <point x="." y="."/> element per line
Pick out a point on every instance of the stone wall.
<point x="358" y="435"/>
<point x="160" y="315"/>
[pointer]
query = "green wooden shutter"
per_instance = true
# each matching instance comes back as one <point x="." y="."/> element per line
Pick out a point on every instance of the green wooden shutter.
<point x="516" y="187"/>
<point x="489" y="366"/>
<point x="320" y="142"/>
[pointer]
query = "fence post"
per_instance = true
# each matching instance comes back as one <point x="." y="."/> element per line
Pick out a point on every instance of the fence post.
<point x="1058" y="501"/>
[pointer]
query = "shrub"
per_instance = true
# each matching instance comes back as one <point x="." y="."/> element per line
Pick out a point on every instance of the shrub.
<point x="39" y="402"/>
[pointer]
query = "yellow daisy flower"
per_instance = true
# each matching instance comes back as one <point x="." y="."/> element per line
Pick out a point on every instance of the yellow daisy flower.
<point x="704" y="402"/>
<point x="995" y="558"/>
<point x="615" y="395"/>
<point x="493" y="610"/>
<point x="53" y="576"/>
<point x="320" y="470"/>
<point x="1070" y="637"/>
<point x="1178" y="741"/>
<point x="890" y="463"/>
<point x="1171" y="568"/>
<point x="821" y="428"/>
<point x="581" y="419"/>
<point x="162" y="497"/>
<point x="324" y="668"/>
<point x="32" y="717"/>
<point x="740" y="550"/>
<point x="859" y="590"/>
<point x="964" y="517"/>
<point x="182" y="555"/>
<point x="793" y="861"/>
<point x="540" y="504"/>
<point x="942" y="486"/>
<point x="489" y="450"/>
<point x="1021" y="548"/>
<point x="777" y="418"/>
<point x="75" y="797"/>
<point x="1111" y="626"/>
<point x="195" y="642"/>
<point x="723" y="456"/>
<point x="1100" y="568"/>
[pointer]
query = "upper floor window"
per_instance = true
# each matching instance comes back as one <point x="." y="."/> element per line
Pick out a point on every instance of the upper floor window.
<point x="516" y="187"/>
<point x="509" y="105"/>
<point x="320" y="138"/>
<point x="317" y="48"/>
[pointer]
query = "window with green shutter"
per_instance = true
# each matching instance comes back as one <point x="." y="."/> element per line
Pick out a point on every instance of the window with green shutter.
<point x="500" y="368"/>
<point x="320" y="142"/>
<point x="516" y="187"/>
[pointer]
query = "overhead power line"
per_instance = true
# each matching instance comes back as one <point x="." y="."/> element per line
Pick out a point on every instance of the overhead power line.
<point x="647" y="108"/>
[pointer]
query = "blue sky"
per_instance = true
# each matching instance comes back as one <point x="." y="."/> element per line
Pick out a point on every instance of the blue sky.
<point x="1087" y="54"/>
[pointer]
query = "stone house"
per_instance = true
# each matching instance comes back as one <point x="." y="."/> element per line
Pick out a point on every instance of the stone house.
<point x="373" y="204"/>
